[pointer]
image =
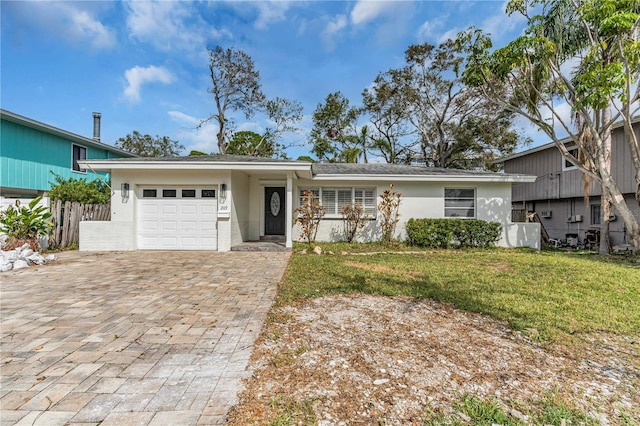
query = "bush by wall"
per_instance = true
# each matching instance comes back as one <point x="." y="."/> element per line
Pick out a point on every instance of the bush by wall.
<point x="446" y="233"/>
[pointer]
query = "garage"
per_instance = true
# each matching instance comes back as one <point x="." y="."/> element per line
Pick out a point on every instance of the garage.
<point x="171" y="218"/>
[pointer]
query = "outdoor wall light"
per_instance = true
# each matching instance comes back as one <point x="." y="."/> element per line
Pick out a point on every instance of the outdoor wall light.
<point x="223" y="191"/>
<point x="124" y="190"/>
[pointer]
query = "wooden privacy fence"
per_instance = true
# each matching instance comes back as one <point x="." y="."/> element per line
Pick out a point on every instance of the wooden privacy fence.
<point x="67" y="217"/>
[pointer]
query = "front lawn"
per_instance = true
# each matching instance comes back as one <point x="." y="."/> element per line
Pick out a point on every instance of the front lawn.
<point x="337" y="350"/>
<point x="549" y="294"/>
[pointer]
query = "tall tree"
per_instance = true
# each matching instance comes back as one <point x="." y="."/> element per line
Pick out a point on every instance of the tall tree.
<point x="455" y="125"/>
<point x="147" y="146"/>
<point x="582" y="53"/>
<point x="236" y="87"/>
<point x="386" y="105"/>
<point x="335" y="134"/>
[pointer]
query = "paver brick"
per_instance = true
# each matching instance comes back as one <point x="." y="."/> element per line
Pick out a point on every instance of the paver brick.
<point x="140" y="338"/>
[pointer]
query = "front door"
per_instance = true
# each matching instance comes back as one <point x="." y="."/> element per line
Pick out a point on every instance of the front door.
<point x="274" y="206"/>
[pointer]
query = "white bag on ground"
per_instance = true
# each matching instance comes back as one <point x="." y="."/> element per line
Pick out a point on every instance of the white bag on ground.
<point x="20" y="264"/>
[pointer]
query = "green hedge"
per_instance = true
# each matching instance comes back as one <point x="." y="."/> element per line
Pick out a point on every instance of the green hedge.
<point x="446" y="233"/>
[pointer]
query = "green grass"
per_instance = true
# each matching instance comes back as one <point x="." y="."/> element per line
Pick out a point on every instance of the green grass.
<point x="548" y="410"/>
<point x="554" y="293"/>
<point x="289" y="411"/>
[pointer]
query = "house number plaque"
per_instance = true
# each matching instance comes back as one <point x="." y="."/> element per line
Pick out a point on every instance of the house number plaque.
<point x="275" y="204"/>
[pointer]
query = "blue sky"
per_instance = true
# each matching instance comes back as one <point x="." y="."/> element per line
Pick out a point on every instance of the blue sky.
<point x="144" y="65"/>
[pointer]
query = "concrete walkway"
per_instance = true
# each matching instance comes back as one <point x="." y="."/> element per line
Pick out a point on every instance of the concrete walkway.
<point x="131" y="338"/>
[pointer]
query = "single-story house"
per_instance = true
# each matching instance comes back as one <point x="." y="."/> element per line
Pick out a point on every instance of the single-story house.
<point x="217" y="202"/>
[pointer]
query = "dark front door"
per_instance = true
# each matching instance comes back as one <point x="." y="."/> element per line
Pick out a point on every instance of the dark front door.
<point x="274" y="206"/>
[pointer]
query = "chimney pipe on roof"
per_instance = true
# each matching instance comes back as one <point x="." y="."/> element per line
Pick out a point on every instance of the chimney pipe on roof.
<point x="96" y="126"/>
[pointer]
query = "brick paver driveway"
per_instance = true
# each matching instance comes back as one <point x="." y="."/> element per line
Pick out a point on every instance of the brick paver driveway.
<point x="144" y="338"/>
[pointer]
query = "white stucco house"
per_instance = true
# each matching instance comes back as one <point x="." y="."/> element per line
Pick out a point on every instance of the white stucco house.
<point x="217" y="202"/>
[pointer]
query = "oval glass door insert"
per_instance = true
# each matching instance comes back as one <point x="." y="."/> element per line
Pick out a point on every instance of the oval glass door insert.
<point x="275" y="204"/>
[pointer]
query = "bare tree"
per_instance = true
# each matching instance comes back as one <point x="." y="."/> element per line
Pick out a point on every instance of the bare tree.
<point x="236" y="87"/>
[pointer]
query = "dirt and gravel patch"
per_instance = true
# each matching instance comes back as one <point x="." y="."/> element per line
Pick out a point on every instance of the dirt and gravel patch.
<point x="372" y="359"/>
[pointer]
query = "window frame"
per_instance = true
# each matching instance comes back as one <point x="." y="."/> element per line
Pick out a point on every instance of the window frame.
<point x="74" y="161"/>
<point x="566" y="164"/>
<point x="335" y="214"/>
<point x="596" y="219"/>
<point x="474" y="207"/>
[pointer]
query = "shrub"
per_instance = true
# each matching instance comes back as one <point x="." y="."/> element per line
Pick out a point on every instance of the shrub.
<point x="353" y="219"/>
<point x="309" y="215"/>
<point x="388" y="208"/>
<point x="25" y="223"/>
<point x="94" y="192"/>
<point x="446" y="233"/>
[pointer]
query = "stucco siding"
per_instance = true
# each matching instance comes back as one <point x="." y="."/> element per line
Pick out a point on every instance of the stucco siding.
<point x="239" y="207"/>
<point x="424" y="200"/>
<point x="106" y="236"/>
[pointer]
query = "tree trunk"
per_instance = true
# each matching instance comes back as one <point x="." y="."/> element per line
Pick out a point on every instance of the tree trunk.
<point x="625" y="213"/>
<point x="222" y="144"/>
<point x="605" y="214"/>
<point x="605" y="169"/>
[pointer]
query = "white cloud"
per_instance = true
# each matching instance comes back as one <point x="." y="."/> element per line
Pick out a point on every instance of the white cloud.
<point x="201" y="139"/>
<point x="137" y="76"/>
<point x="270" y="12"/>
<point x="500" y="23"/>
<point x="183" y="118"/>
<point x="75" y="22"/>
<point x="366" y="11"/>
<point x="332" y="30"/>
<point x="82" y="25"/>
<point x="429" y="29"/>
<point x="170" y="25"/>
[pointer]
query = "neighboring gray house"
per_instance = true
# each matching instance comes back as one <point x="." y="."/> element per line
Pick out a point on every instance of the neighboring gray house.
<point x="558" y="194"/>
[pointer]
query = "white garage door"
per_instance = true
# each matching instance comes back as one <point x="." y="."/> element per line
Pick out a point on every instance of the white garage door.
<point x="177" y="219"/>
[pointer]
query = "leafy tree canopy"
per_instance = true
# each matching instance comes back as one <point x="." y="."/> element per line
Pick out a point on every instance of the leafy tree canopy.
<point x="581" y="54"/>
<point x="335" y="135"/>
<point x="147" y="146"/>
<point x="424" y="109"/>
<point x="79" y="190"/>
<point x="251" y="143"/>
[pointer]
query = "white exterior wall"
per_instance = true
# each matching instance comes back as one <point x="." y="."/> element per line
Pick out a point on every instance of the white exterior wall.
<point x="241" y="212"/>
<point x="426" y="200"/>
<point x="239" y="221"/>
<point x="106" y="236"/>
<point x="520" y="235"/>
<point x="255" y="201"/>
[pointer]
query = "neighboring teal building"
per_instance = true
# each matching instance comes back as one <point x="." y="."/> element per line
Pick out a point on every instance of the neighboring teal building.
<point x="31" y="150"/>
